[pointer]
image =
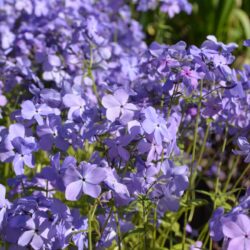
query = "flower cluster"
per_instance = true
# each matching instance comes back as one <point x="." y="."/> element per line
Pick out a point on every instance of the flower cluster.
<point x="97" y="117"/>
<point x="233" y="227"/>
<point x="171" y="7"/>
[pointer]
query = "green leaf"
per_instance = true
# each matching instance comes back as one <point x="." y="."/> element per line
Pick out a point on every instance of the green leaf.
<point x="195" y="203"/>
<point x="179" y="247"/>
<point x="244" y="21"/>
<point x="224" y="11"/>
<point x="134" y="231"/>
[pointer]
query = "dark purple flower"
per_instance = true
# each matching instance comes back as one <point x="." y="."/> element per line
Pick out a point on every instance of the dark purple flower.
<point x="117" y="147"/>
<point x="215" y="224"/>
<point x="56" y="171"/>
<point x="51" y="133"/>
<point x="32" y="234"/>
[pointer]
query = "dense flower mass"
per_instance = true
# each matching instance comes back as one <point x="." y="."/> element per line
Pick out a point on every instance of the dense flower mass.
<point x="97" y="121"/>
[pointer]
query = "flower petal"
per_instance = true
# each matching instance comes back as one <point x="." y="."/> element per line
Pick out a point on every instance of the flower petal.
<point x="28" y="109"/>
<point x="2" y="195"/>
<point x="109" y="101"/>
<point x="36" y="242"/>
<point x="244" y="222"/>
<point x="231" y="229"/>
<point x="237" y="243"/>
<point x="121" y="95"/>
<point x="16" y="130"/>
<point x="96" y="175"/>
<point x="71" y="100"/>
<point x="157" y="136"/>
<point x="25" y="238"/>
<point x="148" y="126"/>
<point x="151" y="114"/>
<point x="113" y="113"/>
<point x="73" y="190"/>
<point x="91" y="189"/>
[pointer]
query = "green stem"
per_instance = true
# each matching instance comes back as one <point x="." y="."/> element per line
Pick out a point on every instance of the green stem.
<point x="195" y="173"/>
<point x="184" y="230"/>
<point x="171" y="98"/>
<point x="231" y="173"/>
<point x="155" y="224"/>
<point x="90" y="218"/>
<point x="204" y="143"/>
<point x="220" y="164"/>
<point x="144" y="226"/>
<point x="196" y="126"/>
<point x="194" y="167"/>
<point x="161" y="23"/>
<point x="118" y="228"/>
<point x="241" y="176"/>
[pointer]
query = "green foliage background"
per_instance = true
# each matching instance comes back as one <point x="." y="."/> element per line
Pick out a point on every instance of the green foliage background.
<point x="228" y="20"/>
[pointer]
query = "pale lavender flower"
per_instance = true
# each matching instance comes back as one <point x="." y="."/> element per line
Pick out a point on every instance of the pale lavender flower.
<point x="83" y="180"/>
<point x="30" y="110"/>
<point x="238" y="232"/>
<point x="117" y="106"/>
<point x="76" y="105"/>
<point x="156" y="125"/>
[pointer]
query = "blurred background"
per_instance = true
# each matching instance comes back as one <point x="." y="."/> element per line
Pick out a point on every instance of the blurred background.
<point x="228" y="20"/>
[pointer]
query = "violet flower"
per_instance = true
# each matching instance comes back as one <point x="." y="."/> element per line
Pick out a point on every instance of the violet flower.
<point x="117" y="106"/>
<point x="30" y="110"/>
<point x="244" y="146"/>
<point x="83" y="180"/>
<point x="238" y="232"/>
<point x="156" y="125"/>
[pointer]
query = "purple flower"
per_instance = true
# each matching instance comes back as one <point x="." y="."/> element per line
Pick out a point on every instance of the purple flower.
<point x="190" y="77"/>
<point x="173" y="7"/>
<point x="156" y="125"/>
<point x="117" y="106"/>
<point x="83" y="180"/>
<point x="213" y="107"/>
<point x="244" y="146"/>
<point x="247" y="43"/>
<point x="176" y="177"/>
<point x="23" y="155"/>
<point x="215" y="224"/>
<point x="18" y="148"/>
<point x="31" y="235"/>
<point x="117" y="147"/>
<point x="238" y="231"/>
<point x="56" y="171"/>
<point x="30" y="110"/>
<point x="4" y="204"/>
<point x="154" y="150"/>
<point x="112" y="181"/>
<point x="3" y="100"/>
<point x="51" y="133"/>
<point x="197" y="246"/>
<point x="76" y="105"/>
